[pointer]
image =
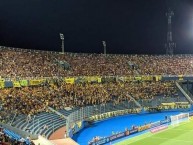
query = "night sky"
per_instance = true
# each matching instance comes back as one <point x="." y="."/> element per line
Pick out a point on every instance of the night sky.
<point x="127" y="26"/>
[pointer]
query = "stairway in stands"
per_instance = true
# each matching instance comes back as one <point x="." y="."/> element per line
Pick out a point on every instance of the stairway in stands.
<point x="187" y="89"/>
<point x="43" y="123"/>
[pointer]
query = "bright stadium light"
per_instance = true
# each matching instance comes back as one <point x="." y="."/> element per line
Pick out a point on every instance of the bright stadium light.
<point x="62" y="38"/>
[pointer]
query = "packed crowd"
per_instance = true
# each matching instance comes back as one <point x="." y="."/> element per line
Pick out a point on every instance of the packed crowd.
<point x="24" y="63"/>
<point x="6" y="115"/>
<point x="30" y="63"/>
<point x="31" y="100"/>
<point x="6" y="139"/>
<point x="99" y="64"/>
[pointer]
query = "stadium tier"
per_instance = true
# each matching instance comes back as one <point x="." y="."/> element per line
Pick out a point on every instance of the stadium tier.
<point x="35" y="99"/>
<point x="30" y="63"/>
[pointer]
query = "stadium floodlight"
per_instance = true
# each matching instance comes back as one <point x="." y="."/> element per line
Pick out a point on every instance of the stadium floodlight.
<point x="105" y="49"/>
<point x="62" y="38"/>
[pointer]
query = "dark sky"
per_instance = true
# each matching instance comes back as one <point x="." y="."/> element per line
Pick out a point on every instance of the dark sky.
<point x="127" y="26"/>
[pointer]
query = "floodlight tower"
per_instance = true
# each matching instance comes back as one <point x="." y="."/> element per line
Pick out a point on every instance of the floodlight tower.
<point x="62" y="38"/>
<point x="169" y="45"/>
<point x="105" y="48"/>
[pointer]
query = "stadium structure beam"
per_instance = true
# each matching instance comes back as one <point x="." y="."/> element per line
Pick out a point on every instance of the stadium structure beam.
<point x="170" y="45"/>
<point x="62" y="38"/>
<point x="104" y="46"/>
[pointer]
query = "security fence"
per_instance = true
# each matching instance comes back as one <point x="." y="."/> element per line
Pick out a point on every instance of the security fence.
<point x="75" y="119"/>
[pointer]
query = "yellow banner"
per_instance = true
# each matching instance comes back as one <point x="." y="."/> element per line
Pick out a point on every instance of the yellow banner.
<point x="138" y="78"/>
<point x="147" y="78"/>
<point x="99" y="80"/>
<point x="180" y="77"/>
<point x="168" y="104"/>
<point x="91" y="79"/>
<point x="23" y="82"/>
<point x="158" y="78"/>
<point x="79" y="124"/>
<point x="69" y="80"/>
<point x="94" y="79"/>
<point x="16" y="84"/>
<point x="2" y="84"/>
<point x="36" y="82"/>
<point x="145" y="127"/>
<point x="129" y="78"/>
<point x="181" y="103"/>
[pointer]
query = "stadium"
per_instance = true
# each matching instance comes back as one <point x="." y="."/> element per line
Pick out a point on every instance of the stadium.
<point x="88" y="103"/>
<point x="68" y="96"/>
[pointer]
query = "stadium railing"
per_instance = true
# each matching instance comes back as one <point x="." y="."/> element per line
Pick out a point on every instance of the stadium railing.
<point x="89" y="111"/>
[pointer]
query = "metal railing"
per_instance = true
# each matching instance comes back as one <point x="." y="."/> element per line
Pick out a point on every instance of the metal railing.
<point x="89" y="111"/>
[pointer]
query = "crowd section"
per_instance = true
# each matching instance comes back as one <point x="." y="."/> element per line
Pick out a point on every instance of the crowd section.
<point x="99" y="64"/>
<point x="35" y="99"/>
<point x="10" y="138"/>
<point x="26" y="63"/>
<point x="32" y="63"/>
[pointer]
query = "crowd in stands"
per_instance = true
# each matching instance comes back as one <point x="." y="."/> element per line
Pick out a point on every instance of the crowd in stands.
<point x="34" y="99"/>
<point x="24" y="63"/>
<point x="16" y="63"/>
<point x="10" y="138"/>
<point x="29" y="100"/>
<point x="6" y="115"/>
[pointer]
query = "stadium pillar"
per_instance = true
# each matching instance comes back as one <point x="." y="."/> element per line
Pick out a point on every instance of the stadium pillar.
<point x="105" y="49"/>
<point x="170" y="45"/>
<point x="62" y="38"/>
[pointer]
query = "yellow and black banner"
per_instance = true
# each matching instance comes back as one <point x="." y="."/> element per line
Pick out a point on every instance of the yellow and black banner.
<point x="144" y="127"/>
<point x="147" y="78"/>
<point x="69" y="80"/>
<point x="36" y="82"/>
<point x="2" y="84"/>
<point x="180" y="77"/>
<point x="158" y="78"/>
<point x="138" y="78"/>
<point x="99" y="79"/>
<point x="16" y="84"/>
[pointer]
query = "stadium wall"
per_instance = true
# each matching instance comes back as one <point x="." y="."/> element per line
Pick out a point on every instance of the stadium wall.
<point x="155" y="126"/>
<point x="78" y="126"/>
<point x="129" y="132"/>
